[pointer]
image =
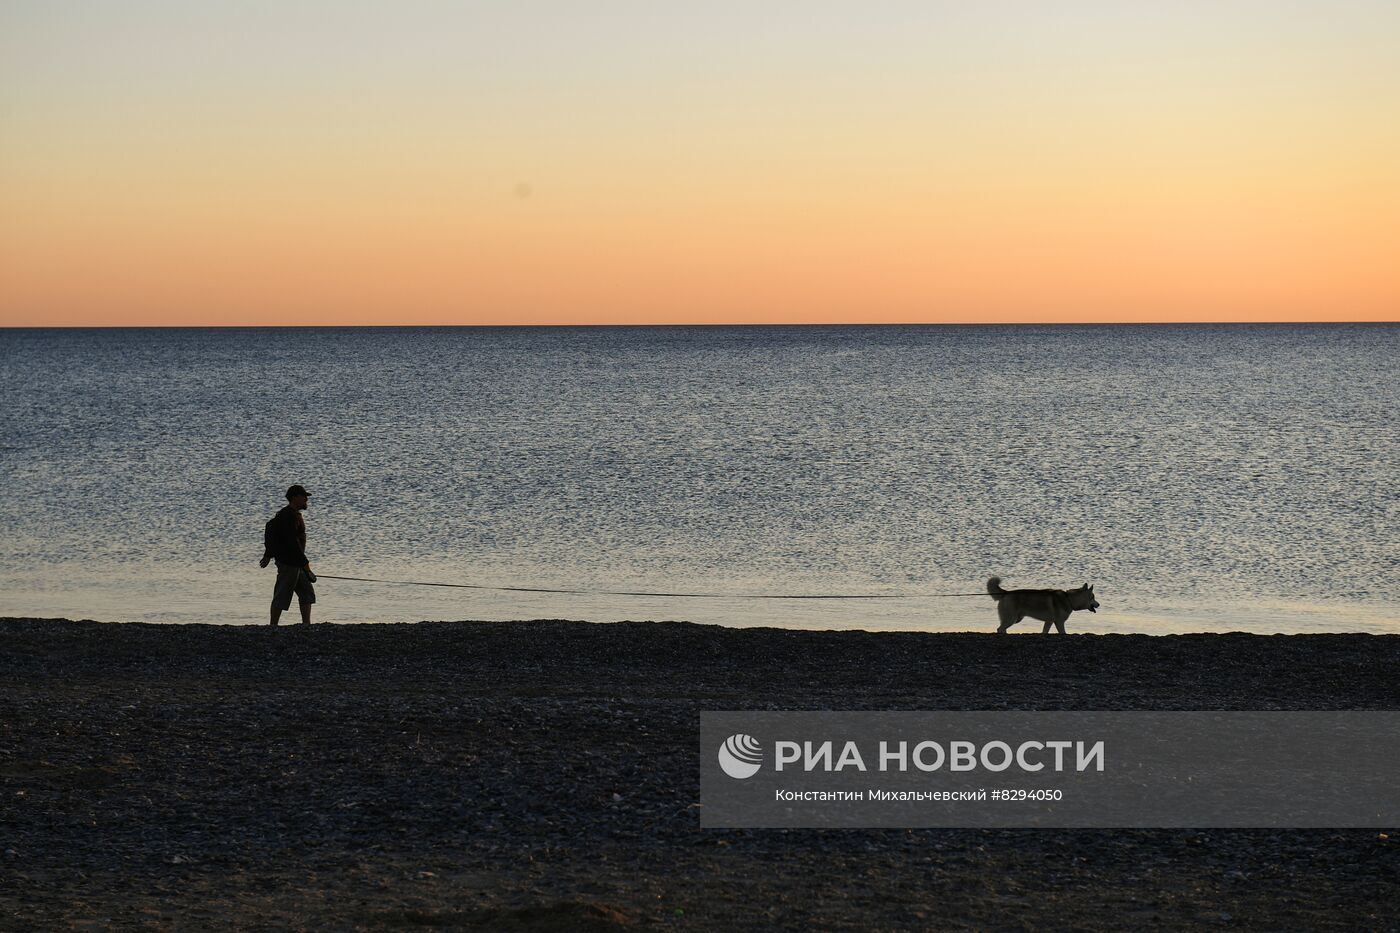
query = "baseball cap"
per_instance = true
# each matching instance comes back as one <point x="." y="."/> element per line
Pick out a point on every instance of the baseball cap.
<point x="297" y="490"/>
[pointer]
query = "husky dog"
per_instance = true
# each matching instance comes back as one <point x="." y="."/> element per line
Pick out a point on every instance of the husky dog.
<point x="1050" y="606"/>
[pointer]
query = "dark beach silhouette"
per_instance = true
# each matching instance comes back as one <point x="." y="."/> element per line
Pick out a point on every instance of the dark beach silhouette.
<point x="542" y="775"/>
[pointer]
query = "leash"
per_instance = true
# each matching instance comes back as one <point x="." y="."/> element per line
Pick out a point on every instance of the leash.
<point x="533" y="589"/>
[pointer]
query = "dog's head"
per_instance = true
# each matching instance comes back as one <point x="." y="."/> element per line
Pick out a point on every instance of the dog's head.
<point x="1083" y="598"/>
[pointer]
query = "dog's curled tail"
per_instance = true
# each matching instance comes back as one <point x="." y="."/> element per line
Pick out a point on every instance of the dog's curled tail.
<point x="994" y="588"/>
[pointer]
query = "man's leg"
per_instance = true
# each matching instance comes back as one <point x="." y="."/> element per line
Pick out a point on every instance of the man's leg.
<point x="282" y="591"/>
<point x="306" y="595"/>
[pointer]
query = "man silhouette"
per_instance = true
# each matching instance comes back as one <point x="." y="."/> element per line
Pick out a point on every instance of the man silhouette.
<point x="286" y="544"/>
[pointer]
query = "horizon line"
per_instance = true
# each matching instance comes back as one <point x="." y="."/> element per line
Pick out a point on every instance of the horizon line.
<point x="676" y="324"/>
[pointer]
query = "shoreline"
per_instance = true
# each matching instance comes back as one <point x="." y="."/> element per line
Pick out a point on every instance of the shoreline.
<point x="542" y="775"/>
<point x="1303" y="620"/>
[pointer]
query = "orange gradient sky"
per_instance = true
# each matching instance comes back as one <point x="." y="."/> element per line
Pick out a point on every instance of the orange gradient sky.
<point x="654" y="162"/>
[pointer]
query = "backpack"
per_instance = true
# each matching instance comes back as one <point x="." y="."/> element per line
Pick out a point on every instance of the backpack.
<point x="270" y="536"/>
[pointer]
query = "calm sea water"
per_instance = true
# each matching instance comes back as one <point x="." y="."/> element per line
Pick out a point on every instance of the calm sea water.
<point x="1205" y="478"/>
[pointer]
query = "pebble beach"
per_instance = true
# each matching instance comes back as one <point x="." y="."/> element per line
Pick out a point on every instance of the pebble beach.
<point x="543" y="775"/>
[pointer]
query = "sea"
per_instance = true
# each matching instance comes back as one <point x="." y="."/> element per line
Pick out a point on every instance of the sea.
<point x="1205" y="478"/>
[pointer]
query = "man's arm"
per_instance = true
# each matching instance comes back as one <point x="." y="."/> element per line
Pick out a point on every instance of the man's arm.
<point x="299" y="536"/>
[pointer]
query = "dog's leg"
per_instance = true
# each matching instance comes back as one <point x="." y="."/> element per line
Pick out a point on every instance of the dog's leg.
<point x="1008" y="617"/>
<point x="1059" y="624"/>
<point x="1046" y="629"/>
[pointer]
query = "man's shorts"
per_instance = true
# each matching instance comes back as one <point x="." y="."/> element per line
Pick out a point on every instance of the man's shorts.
<point x="291" y="579"/>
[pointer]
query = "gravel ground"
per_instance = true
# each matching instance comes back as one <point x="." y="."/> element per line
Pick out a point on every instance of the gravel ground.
<point x="543" y="775"/>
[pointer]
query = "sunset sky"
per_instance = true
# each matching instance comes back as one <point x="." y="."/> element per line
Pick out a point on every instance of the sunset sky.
<point x="533" y="162"/>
